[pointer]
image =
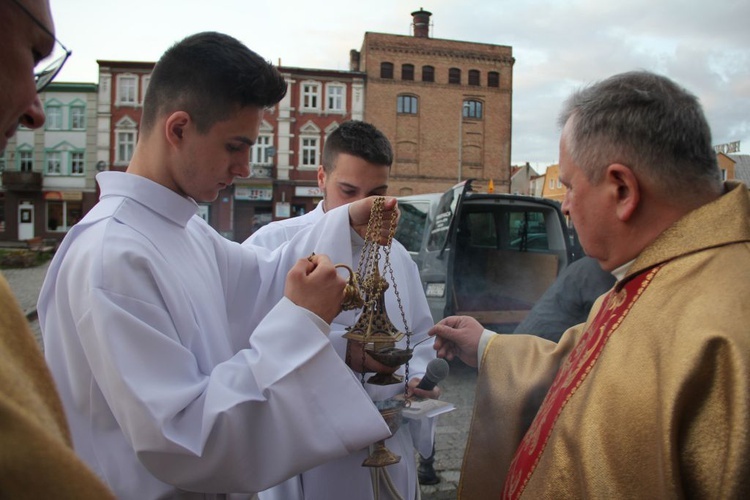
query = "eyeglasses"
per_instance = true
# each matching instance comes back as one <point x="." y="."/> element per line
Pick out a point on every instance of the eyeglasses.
<point x="46" y="75"/>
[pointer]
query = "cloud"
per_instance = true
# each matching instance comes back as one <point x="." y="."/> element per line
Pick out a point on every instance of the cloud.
<point x="559" y="45"/>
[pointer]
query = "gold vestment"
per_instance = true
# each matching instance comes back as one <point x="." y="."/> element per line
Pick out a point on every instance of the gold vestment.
<point x="665" y="410"/>
<point x="36" y="455"/>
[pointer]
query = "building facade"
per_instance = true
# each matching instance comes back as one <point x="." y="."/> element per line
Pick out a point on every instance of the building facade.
<point x="522" y="180"/>
<point x="289" y="149"/>
<point x="553" y="188"/>
<point x="48" y="173"/>
<point x="445" y="105"/>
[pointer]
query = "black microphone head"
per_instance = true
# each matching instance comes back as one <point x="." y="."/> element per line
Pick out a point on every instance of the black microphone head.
<point x="437" y="370"/>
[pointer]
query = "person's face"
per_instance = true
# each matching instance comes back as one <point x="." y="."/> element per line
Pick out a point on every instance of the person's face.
<point x="352" y="179"/>
<point x="23" y="44"/>
<point x="210" y="162"/>
<point x="587" y="205"/>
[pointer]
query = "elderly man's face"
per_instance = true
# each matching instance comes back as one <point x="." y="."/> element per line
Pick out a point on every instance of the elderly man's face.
<point x="23" y="44"/>
<point x="589" y="207"/>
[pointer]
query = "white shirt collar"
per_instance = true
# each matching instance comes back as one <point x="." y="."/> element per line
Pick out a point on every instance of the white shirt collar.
<point x="621" y="271"/>
<point x="179" y="209"/>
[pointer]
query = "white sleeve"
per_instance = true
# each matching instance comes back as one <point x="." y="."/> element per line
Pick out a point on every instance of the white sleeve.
<point x="146" y="366"/>
<point x="269" y="236"/>
<point x="283" y="405"/>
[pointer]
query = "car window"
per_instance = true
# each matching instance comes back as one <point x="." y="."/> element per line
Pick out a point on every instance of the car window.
<point x="444" y="215"/>
<point x="482" y="229"/>
<point x="486" y="226"/>
<point x="411" y="225"/>
<point x="528" y="231"/>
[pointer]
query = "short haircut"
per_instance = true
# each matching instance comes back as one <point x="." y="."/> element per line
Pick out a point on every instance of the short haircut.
<point x="359" y="139"/>
<point x="210" y="76"/>
<point x="648" y="123"/>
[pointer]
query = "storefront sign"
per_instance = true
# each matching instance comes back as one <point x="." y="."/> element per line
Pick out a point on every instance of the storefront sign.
<point x="308" y="191"/>
<point x="63" y="195"/>
<point x="253" y="193"/>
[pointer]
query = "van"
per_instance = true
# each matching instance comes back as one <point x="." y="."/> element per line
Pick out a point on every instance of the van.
<point x="490" y="255"/>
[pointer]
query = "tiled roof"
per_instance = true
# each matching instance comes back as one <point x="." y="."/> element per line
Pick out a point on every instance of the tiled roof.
<point x="741" y="167"/>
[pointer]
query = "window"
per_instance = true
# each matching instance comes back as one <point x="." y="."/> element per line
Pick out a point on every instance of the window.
<point x="442" y="220"/>
<point x="412" y="223"/>
<point x="493" y="79"/>
<point x="454" y="76"/>
<point x="144" y="86"/>
<point x="77" y="118"/>
<point x="204" y="212"/>
<point x="335" y="98"/>
<point x="77" y="163"/>
<point x="407" y="104"/>
<point x="261" y="152"/>
<point x="127" y="89"/>
<point x="428" y="74"/>
<point x="61" y="215"/>
<point x="723" y="174"/>
<point x="473" y="109"/>
<point x="386" y="70"/>
<point x="125" y="137"/>
<point x="480" y="229"/>
<point x="527" y="230"/>
<point x="54" y="163"/>
<point x="54" y="117"/>
<point x="310" y="96"/>
<point x="2" y="161"/>
<point x="125" y="146"/>
<point x="26" y="161"/>
<point x="309" y="152"/>
<point x="407" y="72"/>
<point x="474" y="77"/>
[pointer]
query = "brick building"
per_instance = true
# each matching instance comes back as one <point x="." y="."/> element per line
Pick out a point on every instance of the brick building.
<point x="285" y="159"/>
<point x="445" y="105"/>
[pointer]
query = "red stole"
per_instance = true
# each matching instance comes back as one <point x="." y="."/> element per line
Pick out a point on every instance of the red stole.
<point x="571" y="375"/>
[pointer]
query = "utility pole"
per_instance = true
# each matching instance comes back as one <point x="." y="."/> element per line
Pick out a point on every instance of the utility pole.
<point x="460" y="139"/>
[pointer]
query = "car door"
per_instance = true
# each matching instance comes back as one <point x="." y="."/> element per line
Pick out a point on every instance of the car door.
<point x="491" y="256"/>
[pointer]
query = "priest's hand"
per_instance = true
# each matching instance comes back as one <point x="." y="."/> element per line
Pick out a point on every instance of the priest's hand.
<point x="356" y="360"/>
<point x="314" y="284"/>
<point x="359" y="216"/>
<point x="457" y="336"/>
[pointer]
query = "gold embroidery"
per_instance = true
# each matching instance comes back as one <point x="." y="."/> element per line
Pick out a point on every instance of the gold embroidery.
<point x="570" y="376"/>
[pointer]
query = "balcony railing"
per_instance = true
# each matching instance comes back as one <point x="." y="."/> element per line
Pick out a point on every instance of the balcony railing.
<point x="261" y="171"/>
<point x="22" y="181"/>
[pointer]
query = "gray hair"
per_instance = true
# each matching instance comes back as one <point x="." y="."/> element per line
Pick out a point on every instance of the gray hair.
<point x="648" y="123"/>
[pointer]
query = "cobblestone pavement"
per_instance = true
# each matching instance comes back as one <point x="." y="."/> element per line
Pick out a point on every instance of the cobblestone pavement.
<point x="452" y="427"/>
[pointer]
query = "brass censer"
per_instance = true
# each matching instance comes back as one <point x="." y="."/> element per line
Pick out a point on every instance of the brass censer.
<point x="374" y="330"/>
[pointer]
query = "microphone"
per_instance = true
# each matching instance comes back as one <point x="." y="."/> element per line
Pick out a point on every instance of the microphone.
<point x="437" y="370"/>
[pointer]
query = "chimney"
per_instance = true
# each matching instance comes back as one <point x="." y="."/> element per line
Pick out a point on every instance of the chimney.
<point x="421" y="23"/>
<point x="353" y="60"/>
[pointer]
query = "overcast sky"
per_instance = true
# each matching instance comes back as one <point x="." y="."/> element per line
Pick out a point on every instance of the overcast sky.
<point x="558" y="45"/>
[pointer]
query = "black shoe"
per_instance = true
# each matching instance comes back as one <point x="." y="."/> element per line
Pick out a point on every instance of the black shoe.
<point x="426" y="473"/>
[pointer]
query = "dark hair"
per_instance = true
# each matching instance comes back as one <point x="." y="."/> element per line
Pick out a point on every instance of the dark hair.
<point x="648" y="123"/>
<point x="359" y="139"/>
<point x="210" y="76"/>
